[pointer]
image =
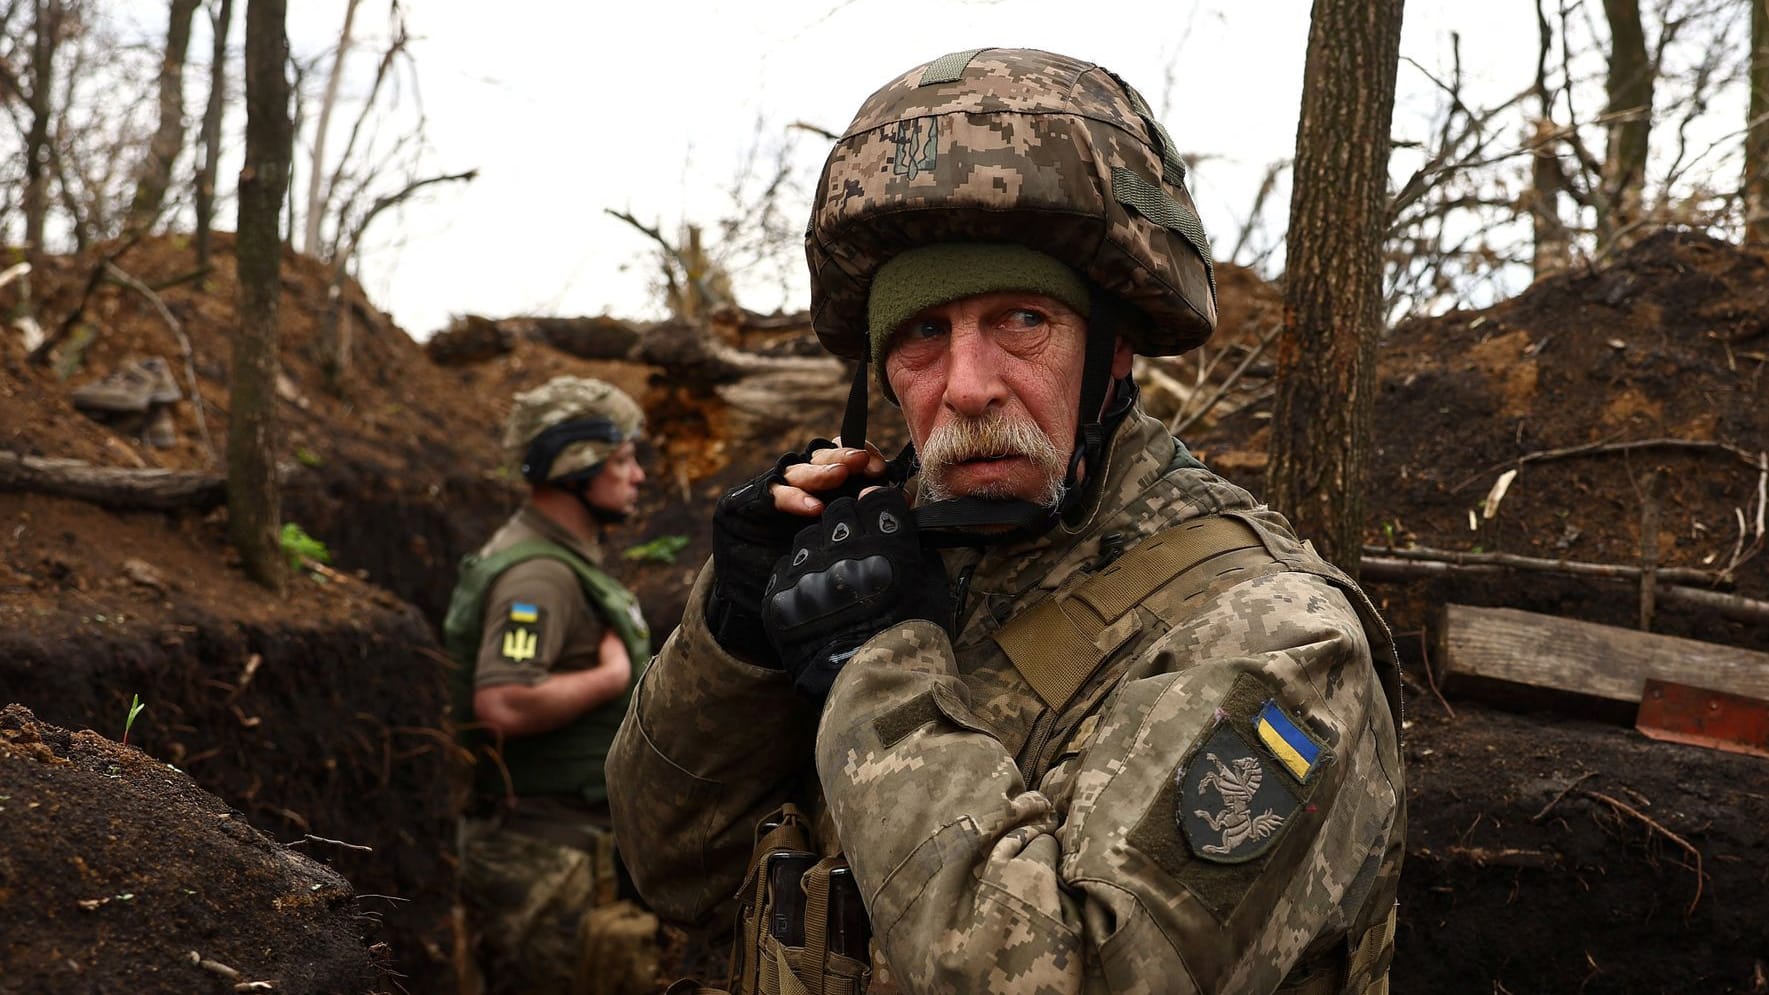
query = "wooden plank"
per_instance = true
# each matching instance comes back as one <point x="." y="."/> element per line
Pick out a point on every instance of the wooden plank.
<point x="1544" y="651"/>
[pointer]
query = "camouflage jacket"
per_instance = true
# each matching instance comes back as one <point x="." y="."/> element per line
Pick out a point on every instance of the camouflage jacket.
<point x="1148" y="836"/>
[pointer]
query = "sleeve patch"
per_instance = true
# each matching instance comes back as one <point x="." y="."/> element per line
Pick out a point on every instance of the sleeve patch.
<point x="1230" y="807"/>
<point x="522" y="633"/>
<point x="1297" y="751"/>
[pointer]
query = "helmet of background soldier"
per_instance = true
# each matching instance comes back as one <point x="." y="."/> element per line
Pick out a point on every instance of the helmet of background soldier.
<point x="567" y="427"/>
<point x="1012" y="146"/>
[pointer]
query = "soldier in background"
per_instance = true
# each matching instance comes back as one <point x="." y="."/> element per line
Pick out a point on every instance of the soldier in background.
<point x="548" y="646"/>
<point x="1071" y="712"/>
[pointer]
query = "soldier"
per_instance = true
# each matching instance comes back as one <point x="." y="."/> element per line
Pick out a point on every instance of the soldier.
<point x="1077" y="714"/>
<point x="548" y="645"/>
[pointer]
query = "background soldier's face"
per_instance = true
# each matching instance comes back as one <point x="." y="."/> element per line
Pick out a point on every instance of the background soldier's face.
<point x="616" y="488"/>
<point x="989" y="386"/>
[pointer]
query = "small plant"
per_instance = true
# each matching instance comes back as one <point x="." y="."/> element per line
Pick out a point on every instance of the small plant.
<point x="309" y="458"/>
<point x="662" y="549"/>
<point x="298" y="546"/>
<point x="135" y="707"/>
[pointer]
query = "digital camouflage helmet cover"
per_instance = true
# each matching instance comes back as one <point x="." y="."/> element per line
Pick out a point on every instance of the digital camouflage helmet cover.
<point x="568" y="426"/>
<point x="1014" y="146"/>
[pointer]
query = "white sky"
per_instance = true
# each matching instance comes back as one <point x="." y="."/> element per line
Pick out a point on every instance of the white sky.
<point x="568" y="108"/>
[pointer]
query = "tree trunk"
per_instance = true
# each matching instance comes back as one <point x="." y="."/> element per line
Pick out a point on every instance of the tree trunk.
<point x="1756" y="141"/>
<point x="1629" y="114"/>
<point x="42" y="77"/>
<point x="316" y="205"/>
<point x="221" y="21"/>
<point x="1333" y="281"/>
<point x="1553" y="246"/>
<point x="252" y="499"/>
<point x="155" y="174"/>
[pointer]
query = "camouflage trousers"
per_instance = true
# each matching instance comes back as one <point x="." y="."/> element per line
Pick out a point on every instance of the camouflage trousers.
<point x="543" y="917"/>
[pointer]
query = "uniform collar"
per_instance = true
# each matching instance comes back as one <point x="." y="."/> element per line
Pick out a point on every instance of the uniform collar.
<point x="1137" y="457"/>
<point x="552" y="531"/>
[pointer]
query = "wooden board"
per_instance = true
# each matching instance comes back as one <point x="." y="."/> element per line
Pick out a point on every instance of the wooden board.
<point x="1545" y="651"/>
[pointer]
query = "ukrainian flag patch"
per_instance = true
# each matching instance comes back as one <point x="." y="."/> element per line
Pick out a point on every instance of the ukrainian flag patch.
<point x="1296" y="751"/>
<point x="522" y="611"/>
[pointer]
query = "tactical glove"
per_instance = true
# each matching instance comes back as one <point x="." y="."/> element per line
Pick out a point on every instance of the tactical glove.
<point x="859" y="570"/>
<point x="749" y="535"/>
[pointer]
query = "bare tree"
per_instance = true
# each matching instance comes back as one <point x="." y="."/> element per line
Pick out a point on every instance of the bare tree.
<point x="1756" y="142"/>
<point x="155" y="173"/>
<point x="335" y="334"/>
<point x="47" y="29"/>
<point x="1628" y="121"/>
<point x="1553" y="244"/>
<point x="347" y="190"/>
<point x="316" y="191"/>
<point x="254" y="506"/>
<point x="1333" y="281"/>
<point x="220" y="21"/>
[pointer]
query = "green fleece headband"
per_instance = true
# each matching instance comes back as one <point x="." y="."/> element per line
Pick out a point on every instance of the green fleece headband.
<point x="939" y="274"/>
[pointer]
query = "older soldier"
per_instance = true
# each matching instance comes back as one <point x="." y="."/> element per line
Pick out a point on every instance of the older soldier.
<point x="1079" y="714"/>
<point x="547" y="645"/>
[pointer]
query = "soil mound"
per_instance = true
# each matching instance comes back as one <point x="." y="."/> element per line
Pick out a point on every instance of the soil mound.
<point x="1585" y="384"/>
<point x="119" y="874"/>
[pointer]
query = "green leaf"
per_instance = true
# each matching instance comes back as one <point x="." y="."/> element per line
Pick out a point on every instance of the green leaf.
<point x="135" y="707"/>
<point x="662" y="549"/>
<point x="298" y="545"/>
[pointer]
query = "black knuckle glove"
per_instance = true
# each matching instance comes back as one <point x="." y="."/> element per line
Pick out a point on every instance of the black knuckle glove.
<point x="749" y="534"/>
<point x="858" y="571"/>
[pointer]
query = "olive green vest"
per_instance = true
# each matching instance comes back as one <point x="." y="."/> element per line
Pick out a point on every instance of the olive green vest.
<point x="568" y="760"/>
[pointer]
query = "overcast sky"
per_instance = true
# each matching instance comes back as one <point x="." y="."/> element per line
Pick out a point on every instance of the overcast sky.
<point x="570" y="108"/>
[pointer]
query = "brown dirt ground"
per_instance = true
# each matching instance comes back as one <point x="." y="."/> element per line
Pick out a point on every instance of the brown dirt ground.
<point x="401" y="478"/>
<point x="116" y="867"/>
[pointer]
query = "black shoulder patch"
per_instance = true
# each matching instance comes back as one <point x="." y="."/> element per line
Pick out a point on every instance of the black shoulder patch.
<point x="1231" y="803"/>
<point x="522" y="632"/>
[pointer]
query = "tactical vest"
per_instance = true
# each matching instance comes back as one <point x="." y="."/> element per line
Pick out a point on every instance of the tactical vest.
<point x="564" y="761"/>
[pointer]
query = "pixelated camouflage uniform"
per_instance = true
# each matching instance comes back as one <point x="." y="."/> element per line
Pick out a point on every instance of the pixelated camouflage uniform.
<point x="1003" y="848"/>
<point x="1001" y="844"/>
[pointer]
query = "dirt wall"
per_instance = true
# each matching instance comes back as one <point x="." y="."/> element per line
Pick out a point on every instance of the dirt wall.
<point x="317" y="712"/>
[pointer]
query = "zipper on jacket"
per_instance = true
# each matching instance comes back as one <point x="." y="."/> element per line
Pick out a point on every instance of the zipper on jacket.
<point x="1036" y="741"/>
<point x="961" y="593"/>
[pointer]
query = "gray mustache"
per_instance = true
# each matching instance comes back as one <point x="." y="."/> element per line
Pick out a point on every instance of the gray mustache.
<point x="976" y="438"/>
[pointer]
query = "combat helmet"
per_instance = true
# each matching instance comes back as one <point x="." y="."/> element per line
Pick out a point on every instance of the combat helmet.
<point x="1014" y="146"/>
<point x="562" y="431"/>
<point x="1018" y="147"/>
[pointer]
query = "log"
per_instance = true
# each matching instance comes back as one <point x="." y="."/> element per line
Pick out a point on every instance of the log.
<point x="1587" y="659"/>
<point x="113" y="487"/>
<point x="693" y="358"/>
<point x="1394" y="568"/>
<point x="1688" y="575"/>
<point x="142" y="489"/>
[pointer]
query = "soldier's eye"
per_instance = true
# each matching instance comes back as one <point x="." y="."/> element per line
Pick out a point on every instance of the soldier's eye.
<point x="921" y="328"/>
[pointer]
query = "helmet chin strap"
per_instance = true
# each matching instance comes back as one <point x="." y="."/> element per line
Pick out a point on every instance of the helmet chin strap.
<point x="578" y="486"/>
<point x="960" y="521"/>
